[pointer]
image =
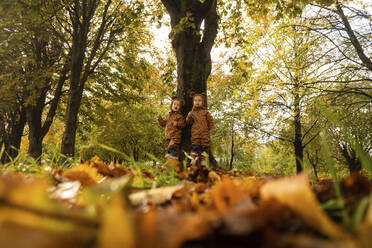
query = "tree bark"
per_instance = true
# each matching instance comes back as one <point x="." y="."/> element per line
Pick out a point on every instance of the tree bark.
<point x="33" y="115"/>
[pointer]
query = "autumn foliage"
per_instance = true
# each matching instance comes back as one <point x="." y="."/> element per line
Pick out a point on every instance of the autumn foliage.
<point x="95" y="205"/>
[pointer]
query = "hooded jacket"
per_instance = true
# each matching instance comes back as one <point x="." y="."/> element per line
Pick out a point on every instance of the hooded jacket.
<point x="173" y="132"/>
<point x="202" y="122"/>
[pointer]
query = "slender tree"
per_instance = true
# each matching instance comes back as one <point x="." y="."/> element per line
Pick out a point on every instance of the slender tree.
<point x="95" y="25"/>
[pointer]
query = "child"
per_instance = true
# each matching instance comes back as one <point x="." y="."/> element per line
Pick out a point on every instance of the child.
<point x="173" y="123"/>
<point x="202" y="124"/>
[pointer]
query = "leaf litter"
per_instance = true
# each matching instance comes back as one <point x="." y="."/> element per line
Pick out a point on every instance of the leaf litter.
<point x="95" y="204"/>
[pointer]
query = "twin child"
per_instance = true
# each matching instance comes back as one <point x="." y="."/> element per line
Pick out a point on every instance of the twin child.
<point x="201" y="123"/>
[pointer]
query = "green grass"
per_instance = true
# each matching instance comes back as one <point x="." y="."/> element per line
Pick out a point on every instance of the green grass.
<point x="350" y="220"/>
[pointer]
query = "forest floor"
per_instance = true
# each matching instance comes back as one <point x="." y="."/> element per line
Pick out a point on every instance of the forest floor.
<point x="95" y="204"/>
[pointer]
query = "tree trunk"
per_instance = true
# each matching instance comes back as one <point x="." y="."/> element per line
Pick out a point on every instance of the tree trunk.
<point x="2" y="135"/>
<point x="13" y="141"/>
<point x="298" y="147"/>
<point x="314" y="162"/>
<point x="353" y="162"/>
<point x="82" y="64"/>
<point x="34" y="115"/>
<point x="69" y="135"/>
<point x="34" y="136"/>
<point x="192" y="51"/>
<point x="232" y="149"/>
<point x="37" y="130"/>
<point x="79" y="45"/>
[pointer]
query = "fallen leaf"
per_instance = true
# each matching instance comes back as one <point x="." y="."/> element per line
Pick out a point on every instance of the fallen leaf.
<point x="226" y="194"/>
<point x="66" y="192"/>
<point x="83" y="173"/>
<point x="154" y="196"/>
<point x="117" y="228"/>
<point x="296" y="193"/>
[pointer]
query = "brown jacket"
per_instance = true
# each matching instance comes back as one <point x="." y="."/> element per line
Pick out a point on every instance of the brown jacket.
<point x="173" y="132"/>
<point x="202" y="122"/>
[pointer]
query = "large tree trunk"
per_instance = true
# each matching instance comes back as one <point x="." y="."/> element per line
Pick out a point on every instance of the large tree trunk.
<point x="192" y="51"/>
<point x="73" y="106"/>
<point x="79" y="45"/>
<point x="12" y="142"/>
<point x="33" y="115"/>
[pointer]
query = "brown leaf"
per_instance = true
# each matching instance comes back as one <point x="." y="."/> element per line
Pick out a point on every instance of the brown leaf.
<point x="226" y="194"/>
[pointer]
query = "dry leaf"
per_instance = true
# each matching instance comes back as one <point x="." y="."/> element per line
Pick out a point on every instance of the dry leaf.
<point x="214" y="176"/>
<point x="154" y="196"/>
<point x="83" y="173"/>
<point x="296" y="193"/>
<point x="117" y="230"/>
<point x="226" y="194"/>
<point x="147" y="227"/>
<point x="307" y="241"/>
<point x="66" y="192"/>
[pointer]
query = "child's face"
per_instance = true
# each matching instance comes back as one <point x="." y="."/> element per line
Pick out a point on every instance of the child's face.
<point x="198" y="101"/>
<point x="176" y="105"/>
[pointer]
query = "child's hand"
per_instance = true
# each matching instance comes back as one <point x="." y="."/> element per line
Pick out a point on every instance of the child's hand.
<point x="174" y="123"/>
<point x="212" y="130"/>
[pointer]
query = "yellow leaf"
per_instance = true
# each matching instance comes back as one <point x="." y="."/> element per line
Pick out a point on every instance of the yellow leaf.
<point x="117" y="229"/>
<point x="296" y="193"/>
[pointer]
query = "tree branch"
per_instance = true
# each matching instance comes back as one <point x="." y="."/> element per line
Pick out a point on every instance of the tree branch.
<point x="171" y="7"/>
<point x="206" y="7"/>
<point x="54" y="104"/>
<point x="211" y="25"/>
<point x="354" y="40"/>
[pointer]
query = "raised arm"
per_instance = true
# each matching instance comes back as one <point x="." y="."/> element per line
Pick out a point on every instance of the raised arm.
<point x="161" y="121"/>
<point x="190" y="118"/>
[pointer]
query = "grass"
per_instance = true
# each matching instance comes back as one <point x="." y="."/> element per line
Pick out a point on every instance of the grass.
<point x="350" y="220"/>
<point x="161" y="178"/>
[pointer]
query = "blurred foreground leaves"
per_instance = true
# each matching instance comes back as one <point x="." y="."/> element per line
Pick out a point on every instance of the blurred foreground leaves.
<point x="97" y="205"/>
